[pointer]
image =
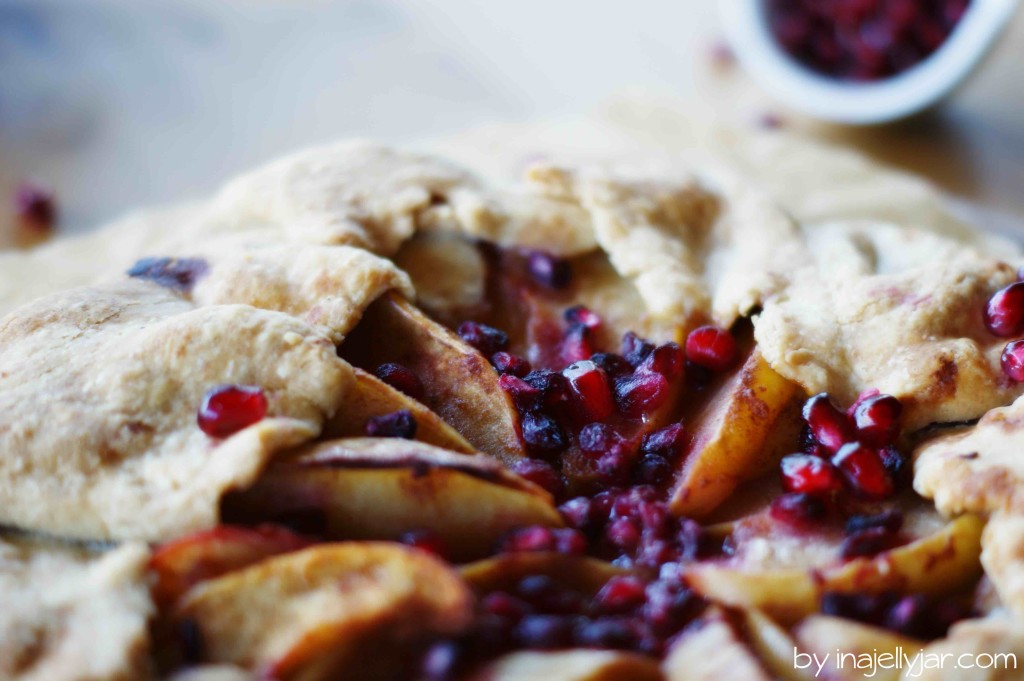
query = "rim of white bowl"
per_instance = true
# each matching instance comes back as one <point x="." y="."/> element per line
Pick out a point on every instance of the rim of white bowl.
<point x="746" y="28"/>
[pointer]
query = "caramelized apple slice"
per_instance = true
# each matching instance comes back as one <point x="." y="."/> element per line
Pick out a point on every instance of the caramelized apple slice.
<point x="460" y="385"/>
<point x="570" y="665"/>
<point x="822" y="635"/>
<point x="729" y="437"/>
<point x="181" y="564"/>
<point x="773" y="646"/>
<point x="711" y="650"/>
<point x="583" y="574"/>
<point x="941" y="563"/>
<point x="371" y="397"/>
<point x="305" y="615"/>
<point x="381" y="488"/>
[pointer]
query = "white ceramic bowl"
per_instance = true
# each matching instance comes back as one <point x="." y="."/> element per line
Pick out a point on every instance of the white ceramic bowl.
<point x="746" y="27"/>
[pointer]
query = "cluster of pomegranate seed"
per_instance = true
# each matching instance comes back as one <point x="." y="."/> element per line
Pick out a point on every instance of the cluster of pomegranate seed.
<point x="35" y="206"/>
<point x="1004" y="317"/>
<point x="913" y="615"/>
<point x="846" y="454"/>
<point x="227" y="409"/>
<point x="401" y="378"/>
<point x="540" y="613"/>
<point x="399" y="423"/>
<point x="180" y="274"/>
<point x="863" y="39"/>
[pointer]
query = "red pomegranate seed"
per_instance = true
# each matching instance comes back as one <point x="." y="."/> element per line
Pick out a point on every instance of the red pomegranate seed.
<point x="400" y="424"/>
<point x="621" y="594"/>
<point x="864" y="471"/>
<point x="1004" y="312"/>
<point x="583" y="315"/>
<point x="615" y="366"/>
<point x="504" y="605"/>
<point x="810" y="474"/>
<point x="666" y="360"/>
<point x="578" y="513"/>
<point x="540" y="473"/>
<point x="507" y="363"/>
<point x="228" y="409"/>
<point x="1012" y="360"/>
<point x="800" y="511"/>
<point x="829" y="426"/>
<point x="525" y="396"/>
<point x="549" y="270"/>
<point x="598" y="438"/>
<point x="537" y="538"/>
<point x="623" y="533"/>
<point x="401" y="378"/>
<point x="641" y="394"/>
<point x="35" y="206"/>
<point x="486" y="339"/>
<point x="542" y="435"/>
<point x="863" y="397"/>
<point x="592" y="396"/>
<point x="666" y="442"/>
<point x="869" y="542"/>
<point x="577" y="344"/>
<point x="635" y="349"/>
<point x="878" y="420"/>
<point x="425" y="540"/>
<point x="711" y="347"/>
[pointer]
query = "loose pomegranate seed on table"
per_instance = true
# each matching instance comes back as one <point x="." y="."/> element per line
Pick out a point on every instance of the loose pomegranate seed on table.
<point x="227" y="409"/>
<point x="401" y="378"/>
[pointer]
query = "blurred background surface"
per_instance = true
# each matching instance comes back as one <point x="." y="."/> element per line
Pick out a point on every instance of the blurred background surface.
<point x="123" y="103"/>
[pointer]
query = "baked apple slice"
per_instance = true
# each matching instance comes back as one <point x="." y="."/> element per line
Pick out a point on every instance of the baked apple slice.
<point x="938" y="564"/>
<point x="729" y="437"/>
<point x="306" y="614"/>
<point x="371" y="397"/>
<point x="459" y="383"/>
<point x="383" y="488"/>
<point x="181" y="564"/>
<point x="819" y="635"/>
<point x="711" y="650"/>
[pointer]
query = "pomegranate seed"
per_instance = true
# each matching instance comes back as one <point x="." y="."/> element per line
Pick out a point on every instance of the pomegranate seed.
<point x="623" y="533"/>
<point x="694" y="541"/>
<point x="614" y="365"/>
<point x="504" y="605"/>
<point x="534" y="538"/>
<point x="711" y="347"/>
<point x="1012" y="360"/>
<point x="891" y="519"/>
<point x="830" y="427"/>
<point x="620" y="594"/>
<point x="605" y="633"/>
<point x="549" y="270"/>
<point x="525" y="396"/>
<point x="425" y="540"/>
<point x="545" y="594"/>
<point x="669" y="605"/>
<point x="544" y="632"/>
<point x="578" y="513"/>
<point x="35" y="206"/>
<point x="809" y="474"/>
<point x="552" y="385"/>
<point x="180" y="274"/>
<point x="864" y="472"/>
<point x="577" y="344"/>
<point x="666" y="442"/>
<point x="635" y="349"/>
<point x="652" y="469"/>
<point x="228" y="409"/>
<point x="583" y="315"/>
<point x="897" y="464"/>
<point x="591" y="392"/>
<point x="443" y="661"/>
<point x="543" y="435"/>
<point x="507" y="363"/>
<point x="878" y="420"/>
<point x="614" y="467"/>
<point x="400" y="424"/>
<point x="801" y="511"/>
<point x="486" y="339"/>
<point x="863" y="397"/>
<point x="666" y="360"/>
<point x="1004" y="312"/>
<point x="401" y="378"/>
<point x="540" y="473"/>
<point x="869" y="542"/>
<point x="598" y="438"/>
<point x="641" y="394"/>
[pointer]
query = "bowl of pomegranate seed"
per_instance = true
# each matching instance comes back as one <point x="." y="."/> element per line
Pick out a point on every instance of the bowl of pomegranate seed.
<point x="863" y="62"/>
